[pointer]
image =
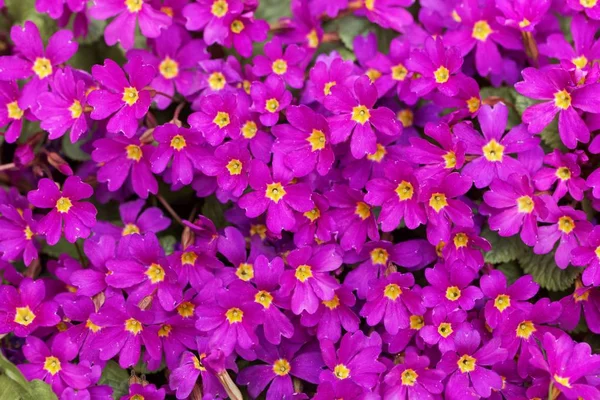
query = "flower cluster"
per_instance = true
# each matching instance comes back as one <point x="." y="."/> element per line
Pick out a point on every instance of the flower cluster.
<point x="236" y="208"/>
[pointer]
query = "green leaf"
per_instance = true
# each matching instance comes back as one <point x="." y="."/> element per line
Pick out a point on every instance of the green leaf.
<point x="272" y="10"/>
<point x="511" y="270"/>
<point x="24" y="10"/>
<point x="349" y="27"/>
<point x="168" y="243"/>
<point x="62" y="247"/>
<point x="41" y="391"/>
<point x="73" y="150"/>
<point x="95" y="31"/>
<point x="504" y="249"/>
<point x="546" y="273"/>
<point x="10" y="390"/>
<point x="115" y="377"/>
<point x="11" y="371"/>
<point x="14" y="386"/>
<point x="214" y="210"/>
<point x="507" y="95"/>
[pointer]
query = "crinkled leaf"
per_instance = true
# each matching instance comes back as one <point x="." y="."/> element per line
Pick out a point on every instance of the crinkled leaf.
<point x="41" y="390"/>
<point x="24" y="10"/>
<point x="10" y="390"/>
<point x="546" y="273"/>
<point x="14" y="386"/>
<point x="349" y="27"/>
<point x="168" y="243"/>
<point x="511" y="270"/>
<point x="115" y="377"/>
<point x="272" y="10"/>
<point x="62" y="247"/>
<point x="504" y="249"/>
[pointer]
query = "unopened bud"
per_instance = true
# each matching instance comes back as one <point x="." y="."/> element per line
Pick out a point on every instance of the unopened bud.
<point x="230" y="387"/>
<point x="98" y="300"/>
<point x="59" y="163"/>
<point x="187" y="237"/>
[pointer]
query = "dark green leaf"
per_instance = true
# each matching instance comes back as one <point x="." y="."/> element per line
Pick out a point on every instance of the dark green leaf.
<point x="24" y="10"/>
<point x="73" y="150"/>
<point x="115" y="377"/>
<point x="546" y="273"/>
<point x="349" y="27"/>
<point x="168" y="244"/>
<point x="272" y="10"/>
<point x="504" y="249"/>
<point x="213" y="209"/>
<point x="62" y="247"/>
<point x="511" y="270"/>
<point x="41" y="391"/>
<point x="10" y="390"/>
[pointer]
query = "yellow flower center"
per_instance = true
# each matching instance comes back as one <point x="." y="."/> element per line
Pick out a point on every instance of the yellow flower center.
<point x="198" y="364"/>
<point x="130" y="95"/>
<point x="525" y="204"/>
<point x="437" y="201"/>
<point x="14" y="112"/>
<point x="130" y="229"/>
<point x="327" y="88"/>
<point x="466" y="363"/>
<point x="259" y="229"/>
<point x="155" y="273"/>
<point x="559" y="379"/>
<point x="279" y="66"/>
<point x="237" y="26"/>
<point x="137" y="397"/>
<point x="416" y="322"/>
<point x="313" y="214"/>
<point x="28" y="233"/>
<point x="186" y="309"/>
<point x="169" y="68"/>
<point x="222" y="119"/>
<point x="167" y="10"/>
<point x="445" y="329"/>
<point x="409" y="377"/>
<point x="42" y="67"/>
<point x="249" y="129"/>
<point x="92" y="326"/>
<point x="245" y="271"/>
<point x="333" y="303"/>
<point x="178" y="142"/>
<point x="362" y="210"/>
<point x="405" y="191"/>
<point x="524" y="23"/>
<point x="493" y="151"/>
<point x="406" y="117"/>
<point x="379" y="256"/>
<point x="502" y="302"/>
<point x="373" y="74"/>
<point x="392" y="291"/>
<point x="473" y="104"/>
<point x="360" y="114"/>
<point x="275" y="191"/>
<point x="455" y="16"/>
<point x="453" y="293"/>
<point x="562" y="99"/>
<point x="313" y="39"/>
<point x="234" y="315"/>
<point x="460" y="240"/>
<point x="580" y="62"/>
<point x="442" y="74"/>
<point x="563" y="173"/>
<point x="281" y="367"/>
<point x="63" y="205"/>
<point x="378" y="155"/>
<point x="76" y="109"/>
<point x="246" y="85"/>
<point x="303" y="272"/>
<point x="216" y="81"/>
<point x="165" y="330"/>
<point x="566" y="224"/>
<point x="399" y="72"/>
<point x="588" y="3"/>
<point x="341" y="371"/>
<point x="234" y="167"/>
<point x="272" y="105"/>
<point x="449" y="160"/>
<point x="134" y="152"/>
<point x="24" y="316"/>
<point x="481" y="30"/>
<point x="316" y="140"/>
<point x="52" y="365"/>
<point x="525" y="329"/>
<point x="219" y="8"/>
<point x="133" y="326"/>
<point x="263" y="298"/>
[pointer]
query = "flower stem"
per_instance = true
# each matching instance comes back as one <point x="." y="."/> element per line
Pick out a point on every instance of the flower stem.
<point x="169" y="209"/>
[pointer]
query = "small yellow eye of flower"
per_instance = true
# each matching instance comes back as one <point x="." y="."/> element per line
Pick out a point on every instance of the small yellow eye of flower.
<point x="481" y="30"/>
<point x="245" y="271"/>
<point x="373" y="74"/>
<point x="272" y="105"/>
<point x="130" y="229"/>
<point x="222" y="119"/>
<point x="234" y="167"/>
<point x="360" y="114"/>
<point x="473" y="104"/>
<point x="563" y="173"/>
<point x="63" y="205"/>
<point x="134" y="5"/>
<point x="219" y="8"/>
<point x="524" y="23"/>
<point x="525" y="204"/>
<point x="409" y="377"/>
<point x="442" y="74"/>
<point x="198" y="364"/>
<point x="260" y="230"/>
<point x="313" y="214"/>
<point x="52" y="365"/>
<point x="399" y="72"/>
<point x="133" y="326"/>
<point x="445" y="329"/>
<point x="460" y="240"/>
<point x="562" y="99"/>
<point x="275" y="192"/>
<point x="155" y="273"/>
<point x="406" y="117"/>
<point x="566" y="224"/>
<point x="237" y="26"/>
<point x="333" y="303"/>
<point x="169" y="68"/>
<point x="439" y="248"/>
<point x="416" y="322"/>
<point x="42" y="67"/>
<point x="362" y="210"/>
<point x="134" y="152"/>
<point x="263" y="298"/>
<point x="378" y="155"/>
<point x="316" y="140"/>
<point x="453" y="293"/>
<point x="449" y="160"/>
<point x="167" y="10"/>
<point x="249" y="130"/>
<point x="279" y="67"/>
<point x="14" y="112"/>
<point x="24" y="316"/>
<point x="234" y="315"/>
<point x="466" y="364"/>
<point x="493" y="151"/>
<point x="216" y="81"/>
<point x="580" y="62"/>
<point x="165" y="330"/>
<point x="588" y="3"/>
<point x="281" y="367"/>
<point x="563" y="381"/>
<point x="313" y="39"/>
<point x="455" y="16"/>
<point x="392" y="291"/>
<point x="92" y="326"/>
<point x="502" y="302"/>
<point x="130" y="96"/>
<point x="327" y="88"/>
<point x="303" y="272"/>
<point x="341" y="371"/>
<point x="405" y="191"/>
<point x="137" y="397"/>
<point x="379" y="256"/>
<point x="437" y="201"/>
<point x="186" y="309"/>
<point x="525" y="329"/>
<point x="76" y="109"/>
<point x="178" y="142"/>
<point x="28" y="233"/>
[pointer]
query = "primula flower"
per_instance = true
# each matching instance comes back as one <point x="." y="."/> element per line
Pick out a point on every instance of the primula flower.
<point x="191" y="367"/>
<point x="135" y="221"/>
<point x="413" y="378"/>
<point x="11" y="114"/>
<point x="245" y="30"/>
<point x="325" y="75"/>
<point x="587" y="255"/>
<point x="308" y="280"/>
<point x="230" y="163"/>
<point x="443" y="328"/>
<point x="304" y="142"/>
<point x="491" y="152"/>
<point x="232" y="245"/>
<point x="218" y="76"/>
<point x="55" y="8"/>
<point x="252" y="133"/>
<point x="391" y="14"/>
<point x="356" y="116"/>
<point x="565" y="172"/>
<point x="450" y="287"/>
<point x="126" y="100"/>
<point x="585" y="298"/>
<point x="91" y="281"/>
<point x="78" y="217"/>
<point x="560" y="96"/>
<point x="17" y="230"/>
<point x="589" y="7"/>
<point x="122" y="29"/>
<point x="217" y="118"/>
<point x="315" y="225"/>
<point x="31" y="60"/>
<point x="275" y="196"/>
<point x="465" y="245"/>
<point x="144" y="391"/>
<point x="52" y="365"/>
<point x="213" y="18"/>
<point x="524" y="15"/>
<point x="356" y="359"/>
<point x="269" y="99"/>
<point x="284" y="64"/>
<point x="24" y="310"/>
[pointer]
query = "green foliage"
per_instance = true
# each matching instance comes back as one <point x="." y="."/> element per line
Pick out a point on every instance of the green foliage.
<point x="62" y="247"/>
<point x="507" y="95"/>
<point x="115" y="377"/>
<point x="24" y="10"/>
<point x="546" y="273"/>
<point x="214" y="210"/>
<point x="349" y="27"/>
<point x="272" y="10"/>
<point x="73" y="150"/>
<point x="14" y="386"/>
<point x="511" y="271"/>
<point x="168" y="243"/>
<point x="504" y="249"/>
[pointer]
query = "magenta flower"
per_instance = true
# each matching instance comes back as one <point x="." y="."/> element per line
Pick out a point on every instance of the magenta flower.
<point x="325" y="75"/>
<point x="413" y="378"/>
<point x="391" y="14"/>
<point x="582" y="298"/>
<point x="135" y="221"/>
<point x="396" y="77"/>
<point x="56" y="8"/>
<point x="24" y="310"/>
<point x="314" y="225"/>
<point x="465" y="246"/>
<point x="524" y="14"/>
<point x="11" y="114"/>
<point x="78" y="217"/>
<point x="122" y="29"/>
<point x="126" y="100"/>
<point x="269" y="99"/>
<point x="450" y="287"/>
<point x="590" y="8"/>
<point x="565" y="172"/>
<point x="17" y="231"/>
<point x="275" y="196"/>
<point x="218" y="76"/>
<point x="355" y="115"/>
<point x="31" y="60"/>
<point x="283" y="64"/>
<point x="183" y="378"/>
<point x="443" y="327"/>
<point x="217" y="118"/>
<point x="244" y="31"/>
<point x="587" y="255"/>
<point x="230" y="163"/>
<point x="212" y="17"/>
<point x="91" y="281"/>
